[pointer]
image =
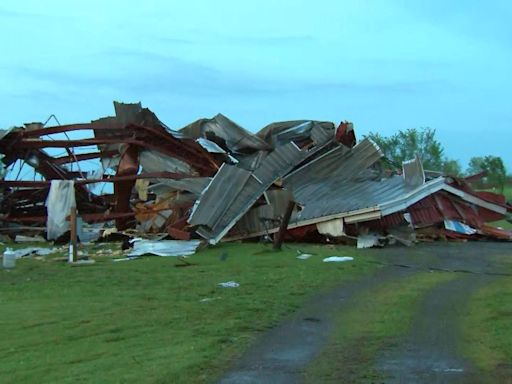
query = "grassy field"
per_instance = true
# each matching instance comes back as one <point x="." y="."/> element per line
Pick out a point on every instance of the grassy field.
<point x="148" y="320"/>
<point x="487" y="327"/>
<point x="376" y="321"/>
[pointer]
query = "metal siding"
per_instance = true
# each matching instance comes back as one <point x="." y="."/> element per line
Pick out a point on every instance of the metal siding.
<point x="219" y="195"/>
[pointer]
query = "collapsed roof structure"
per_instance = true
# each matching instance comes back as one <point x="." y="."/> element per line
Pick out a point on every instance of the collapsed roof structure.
<point x="216" y="181"/>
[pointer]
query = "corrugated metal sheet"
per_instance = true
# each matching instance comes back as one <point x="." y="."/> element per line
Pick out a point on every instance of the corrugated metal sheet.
<point x="425" y="212"/>
<point x="233" y="191"/>
<point x="338" y="163"/>
<point x="224" y="188"/>
<point x="261" y="219"/>
<point x="194" y="185"/>
<point x="334" y="196"/>
<point x="152" y="161"/>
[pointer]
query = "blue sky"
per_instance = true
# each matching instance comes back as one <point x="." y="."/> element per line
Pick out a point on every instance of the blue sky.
<point x="384" y="65"/>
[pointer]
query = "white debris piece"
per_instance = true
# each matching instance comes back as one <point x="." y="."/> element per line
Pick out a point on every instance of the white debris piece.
<point x="22" y="252"/>
<point x="337" y="259"/>
<point x="125" y="259"/>
<point x="229" y="284"/>
<point x="210" y="146"/>
<point x="457" y="226"/>
<point x="368" y="241"/>
<point x="331" y="228"/>
<point x="163" y="247"/>
<point x="304" y="256"/>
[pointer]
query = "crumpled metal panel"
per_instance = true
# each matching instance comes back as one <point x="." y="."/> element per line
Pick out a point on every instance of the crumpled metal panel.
<point x="221" y="129"/>
<point x="299" y="131"/>
<point x="194" y="185"/>
<point x="152" y="161"/>
<point x="318" y="177"/>
<point x="233" y="191"/>
<point x="216" y="198"/>
<point x="413" y="172"/>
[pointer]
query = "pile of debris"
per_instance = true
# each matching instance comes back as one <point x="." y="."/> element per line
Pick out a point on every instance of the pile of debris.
<point x="306" y="180"/>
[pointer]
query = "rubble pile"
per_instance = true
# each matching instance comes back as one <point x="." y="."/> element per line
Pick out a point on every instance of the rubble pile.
<point x="214" y="180"/>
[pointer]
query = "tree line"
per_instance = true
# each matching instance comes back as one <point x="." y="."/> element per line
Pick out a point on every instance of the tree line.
<point x="405" y="144"/>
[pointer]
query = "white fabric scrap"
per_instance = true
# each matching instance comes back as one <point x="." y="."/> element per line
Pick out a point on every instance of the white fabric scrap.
<point x="163" y="247"/>
<point x="337" y="259"/>
<point x="58" y="204"/>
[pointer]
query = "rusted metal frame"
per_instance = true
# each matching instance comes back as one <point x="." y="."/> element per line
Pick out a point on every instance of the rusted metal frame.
<point x="128" y="166"/>
<point x="26" y="193"/>
<point x="175" y="150"/>
<point x="72" y="154"/>
<point x="88" y="217"/>
<point x="37" y="144"/>
<point x="205" y="166"/>
<point x="100" y="217"/>
<point x="187" y="150"/>
<point x="111" y="179"/>
<point x="68" y="128"/>
<point x="189" y="145"/>
<point x="170" y="146"/>
<point x="45" y="166"/>
<point x="83" y="156"/>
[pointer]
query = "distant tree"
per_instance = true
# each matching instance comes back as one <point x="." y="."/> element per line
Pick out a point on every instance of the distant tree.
<point x="405" y="144"/>
<point x="493" y="166"/>
<point x="452" y="167"/>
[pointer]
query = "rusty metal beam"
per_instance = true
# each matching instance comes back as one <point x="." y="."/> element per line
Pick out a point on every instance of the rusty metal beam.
<point x="88" y="217"/>
<point x="34" y="143"/>
<point x="110" y="179"/>
<point x="82" y="156"/>
<point x="128" y="166"/>
<point x="69" y="128"/>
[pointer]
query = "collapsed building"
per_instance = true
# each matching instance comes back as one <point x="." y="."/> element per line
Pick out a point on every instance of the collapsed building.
<point x="216" y="181"/>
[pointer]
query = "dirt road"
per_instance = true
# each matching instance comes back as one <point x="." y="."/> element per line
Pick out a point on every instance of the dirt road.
<point x="427" y="354"/>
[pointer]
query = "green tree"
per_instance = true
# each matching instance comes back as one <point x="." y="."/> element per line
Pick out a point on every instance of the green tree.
<point x="451" y="167"/>
<point x="493" y="166"/>
<point x="405" y="144"/>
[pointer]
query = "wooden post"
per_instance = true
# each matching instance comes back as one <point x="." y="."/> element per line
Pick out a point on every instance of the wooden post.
<point x="278" y="237"/>
<point x="73" y="235"/>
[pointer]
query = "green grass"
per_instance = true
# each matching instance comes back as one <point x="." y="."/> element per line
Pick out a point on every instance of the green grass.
<point x="502" y="224"/>
<point x="375" y="322"/>
<point x="487" y="326"/>
<point x="147" y="320"/>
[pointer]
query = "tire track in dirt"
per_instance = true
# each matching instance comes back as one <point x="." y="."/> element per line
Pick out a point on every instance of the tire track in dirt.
<point x="281" y="355"/>
<point x="429" y="353"/>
